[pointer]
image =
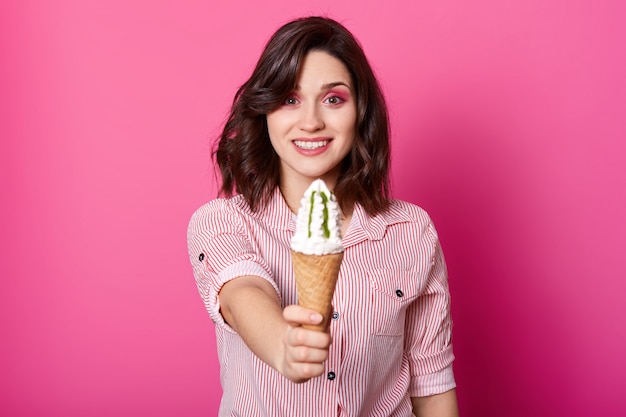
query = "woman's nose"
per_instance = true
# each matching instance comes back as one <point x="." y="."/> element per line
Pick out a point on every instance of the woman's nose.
<point x="311" y="120"/>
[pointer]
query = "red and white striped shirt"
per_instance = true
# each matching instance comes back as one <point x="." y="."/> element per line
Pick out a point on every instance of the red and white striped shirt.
<point x="391" y="328"/>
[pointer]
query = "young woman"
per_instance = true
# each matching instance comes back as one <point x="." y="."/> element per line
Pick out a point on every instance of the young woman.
<point x="313" y="109"/>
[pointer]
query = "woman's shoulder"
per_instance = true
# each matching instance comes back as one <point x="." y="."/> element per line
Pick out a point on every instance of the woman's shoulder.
<point x="410" y="218"/>
<point x="220" y="210"/>
<point x="407" y="211"/>
<point x="232" y="204"/>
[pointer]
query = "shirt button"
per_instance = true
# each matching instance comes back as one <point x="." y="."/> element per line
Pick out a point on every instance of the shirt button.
<point x="399" y="293"/>
<point x="335" y="315"/>
<point x="331" y="376"/>
<point x="201" y="257"/>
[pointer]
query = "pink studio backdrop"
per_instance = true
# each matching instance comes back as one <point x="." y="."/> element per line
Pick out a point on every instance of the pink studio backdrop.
<point x="508" y="127"/>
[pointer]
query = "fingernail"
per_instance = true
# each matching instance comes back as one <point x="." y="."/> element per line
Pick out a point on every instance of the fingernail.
<point x="316" y="317"/>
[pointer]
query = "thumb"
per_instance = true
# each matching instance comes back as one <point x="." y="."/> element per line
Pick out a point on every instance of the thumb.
<point x="300" y="315"/>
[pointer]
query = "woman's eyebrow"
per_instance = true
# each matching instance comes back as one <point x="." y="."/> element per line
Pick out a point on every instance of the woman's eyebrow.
<point x="328" y="86"/>
<point x="335" y="84"/>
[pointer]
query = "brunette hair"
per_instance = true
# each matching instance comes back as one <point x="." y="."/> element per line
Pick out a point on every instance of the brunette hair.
<point x="247" y="161"/>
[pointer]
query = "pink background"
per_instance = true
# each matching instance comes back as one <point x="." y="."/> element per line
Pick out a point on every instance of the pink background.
<point x="508" y="123"/>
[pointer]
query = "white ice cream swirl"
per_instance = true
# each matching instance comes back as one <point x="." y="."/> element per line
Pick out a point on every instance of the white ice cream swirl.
<point x="318" y="227"/>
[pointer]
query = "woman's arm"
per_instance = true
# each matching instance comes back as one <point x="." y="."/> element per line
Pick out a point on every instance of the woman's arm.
<point x="439" y="405"/>
<point x="251" y="307"/>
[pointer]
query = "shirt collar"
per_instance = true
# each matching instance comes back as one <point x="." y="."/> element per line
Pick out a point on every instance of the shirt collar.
<point x="277" y="213"/>
<point x="365" y="227"/>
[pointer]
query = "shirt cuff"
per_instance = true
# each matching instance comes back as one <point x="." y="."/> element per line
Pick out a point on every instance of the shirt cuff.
<point x="431" y="384"/>
<point x="240" y="269"/>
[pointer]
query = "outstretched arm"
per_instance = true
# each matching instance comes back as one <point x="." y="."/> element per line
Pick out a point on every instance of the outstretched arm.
<point x="439" y="405"/>
<point x="251" y="307"/>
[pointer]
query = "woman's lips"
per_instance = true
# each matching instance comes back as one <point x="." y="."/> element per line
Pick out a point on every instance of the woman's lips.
<point x="312" y="146"/>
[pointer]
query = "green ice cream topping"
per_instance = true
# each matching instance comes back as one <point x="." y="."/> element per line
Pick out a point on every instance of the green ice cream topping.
<point x="325" y="227"/>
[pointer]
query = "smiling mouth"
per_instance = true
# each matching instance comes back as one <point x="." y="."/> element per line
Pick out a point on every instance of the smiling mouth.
<point x="310" y="145"/>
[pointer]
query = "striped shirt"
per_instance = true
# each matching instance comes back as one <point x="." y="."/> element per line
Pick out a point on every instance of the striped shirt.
<point x="391" y="328"/>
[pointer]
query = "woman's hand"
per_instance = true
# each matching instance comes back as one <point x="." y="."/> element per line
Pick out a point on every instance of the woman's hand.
<point x="305" y="351"/>
<point x="250" y="305"/>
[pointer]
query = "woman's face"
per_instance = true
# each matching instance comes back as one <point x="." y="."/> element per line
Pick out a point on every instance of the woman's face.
<point x="313" y="130"/>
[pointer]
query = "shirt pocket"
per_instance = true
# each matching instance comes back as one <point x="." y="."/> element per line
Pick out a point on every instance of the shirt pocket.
<point x="392" y="292"/>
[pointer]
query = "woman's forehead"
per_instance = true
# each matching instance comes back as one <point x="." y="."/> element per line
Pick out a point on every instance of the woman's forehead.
<point x="322" y="71"/>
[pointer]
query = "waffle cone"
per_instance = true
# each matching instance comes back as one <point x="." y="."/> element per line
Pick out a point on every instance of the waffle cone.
<point x="316" y="277"/>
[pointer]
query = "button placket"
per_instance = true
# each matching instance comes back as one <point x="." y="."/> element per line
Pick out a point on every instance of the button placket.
<point x="333" y="364"/>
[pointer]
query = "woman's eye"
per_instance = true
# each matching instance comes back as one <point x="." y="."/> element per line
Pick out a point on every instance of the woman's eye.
<point x="291" y="101"/>
<point x="334" y="100"/>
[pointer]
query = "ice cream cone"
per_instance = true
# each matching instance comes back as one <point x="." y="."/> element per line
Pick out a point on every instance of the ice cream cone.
<point x="316" y="277"/>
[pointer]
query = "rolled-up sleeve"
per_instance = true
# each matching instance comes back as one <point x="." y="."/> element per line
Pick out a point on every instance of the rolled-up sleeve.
<point x="220" y="249"/>
<point x="429" y="329"/>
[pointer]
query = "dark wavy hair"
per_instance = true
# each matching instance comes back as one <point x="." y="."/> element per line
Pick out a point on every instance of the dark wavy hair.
<point x="245" y="156"/>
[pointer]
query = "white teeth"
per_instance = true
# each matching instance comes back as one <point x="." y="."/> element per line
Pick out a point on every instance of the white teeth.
<point x="310" y="145"/>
